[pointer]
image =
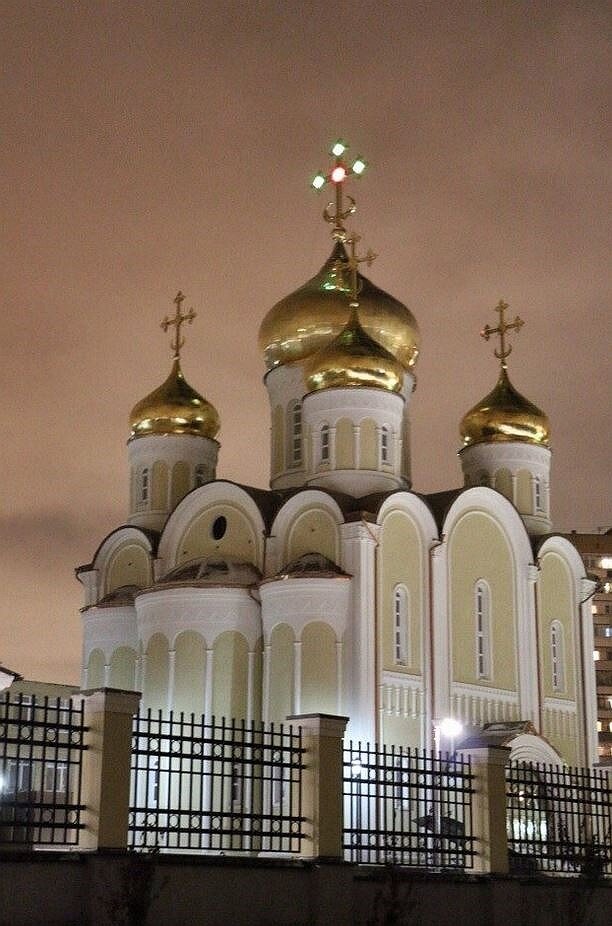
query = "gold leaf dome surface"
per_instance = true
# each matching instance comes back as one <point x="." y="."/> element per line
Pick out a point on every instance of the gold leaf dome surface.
<point x="351" y="359"/>
<point x="174" y="408"/>
<point x="505" y="415"/>
<point x="314" y="314"/>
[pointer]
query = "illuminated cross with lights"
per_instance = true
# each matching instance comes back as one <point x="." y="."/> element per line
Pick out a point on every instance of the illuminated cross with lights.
<point x="504" y="349"/>
<point x="177" y="321"/>
<point x="336" y="213"/>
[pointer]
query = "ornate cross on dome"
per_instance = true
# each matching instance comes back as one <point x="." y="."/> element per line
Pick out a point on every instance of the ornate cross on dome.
<point x="505" y="349"/>
<point x="352" y="264"/>
<point x="336" y="212"/>
<point x="177" y="321"/>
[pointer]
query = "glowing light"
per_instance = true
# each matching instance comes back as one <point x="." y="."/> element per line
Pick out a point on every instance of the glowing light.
<point x="338" y="149"/>
<point x="450" y="727"/>
<point x="338" y="174"/>
<point x="359" y="166"/>
<point x="319" y="181"/>
<point x="606" y="562"/>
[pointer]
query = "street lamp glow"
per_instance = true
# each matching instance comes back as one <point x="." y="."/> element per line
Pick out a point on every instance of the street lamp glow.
<point x="338" y="149"/>
<point x="359" y="166"/>
<point x="338" y="174"/>
<point x="319" y="181"/>
<point x="450" y="728"/>
<point x="356" y="768"/>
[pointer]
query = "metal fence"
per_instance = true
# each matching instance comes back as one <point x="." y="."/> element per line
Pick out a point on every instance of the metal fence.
<point x="215" y="786"/>
<point x="41" y="751"/>
<point x="407" y="807"/>
<point x="558" y="819"/>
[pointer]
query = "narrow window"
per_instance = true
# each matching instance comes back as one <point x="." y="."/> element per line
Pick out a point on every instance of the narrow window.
<point x="325" y="444"/>
<point x="557" y="658"/>
<point x="144" y="485"/>
<point x="200" y="474"/>
<point x="400" y="626"/>
<point x="294" y="432"/>
<point x="385" y="448"/>
<point x="482" y="606"/>
<point x="537" y="494"/>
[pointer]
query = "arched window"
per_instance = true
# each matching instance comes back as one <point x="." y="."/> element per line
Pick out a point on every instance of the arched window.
<point x="200" y="474"/>
<point x="482" y="608"/>
<point x="385" y="445"/>
<point x="557" y="656"/>
<point x="144" y="485"/>
<point x="294" y="435"/>
<point x="401" y="638"/>
<point x="325" y="444"/>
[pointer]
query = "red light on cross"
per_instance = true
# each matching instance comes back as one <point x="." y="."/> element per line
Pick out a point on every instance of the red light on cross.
<point x="338" y="174"/>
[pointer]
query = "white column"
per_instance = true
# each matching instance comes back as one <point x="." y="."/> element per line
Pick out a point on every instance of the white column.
<point x="297" y="676"/>
<point x="142" y="673"/>
<point x="527" y="645"/>
<point x="359" y="542"/>
<point x="439" y="652"/>
<point x="250" y="682"/>
<point x="339" y="680"/>
<point x="107" y="670"/>
<point x="585" y="590"/>
<point x="171" y="671"/>
<point x="208" y="685"/>
<point x="357" y="446"/>
<point x="514" y="485"/>
<point x="332" y="448"/>
<point x="265" y="708"/>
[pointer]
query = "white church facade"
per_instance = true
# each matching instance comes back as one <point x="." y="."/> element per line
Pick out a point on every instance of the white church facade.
<point x="340" y="589"/>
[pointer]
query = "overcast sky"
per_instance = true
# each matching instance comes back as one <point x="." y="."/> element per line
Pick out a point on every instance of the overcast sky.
<point x="148" y="147"/>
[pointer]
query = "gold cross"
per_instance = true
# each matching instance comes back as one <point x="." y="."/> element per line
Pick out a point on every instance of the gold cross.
<point x="177" y="321"/>
<point x="352" y="264"/>
<point x="504" y="349"/>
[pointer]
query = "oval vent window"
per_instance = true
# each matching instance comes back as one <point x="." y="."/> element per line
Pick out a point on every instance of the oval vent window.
<point x="219" y="527"/>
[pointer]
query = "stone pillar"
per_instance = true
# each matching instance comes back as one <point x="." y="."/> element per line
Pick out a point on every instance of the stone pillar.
<point x="488" y="806"/>
<point x="322" y="788"/>
<point x="106" y="767"/>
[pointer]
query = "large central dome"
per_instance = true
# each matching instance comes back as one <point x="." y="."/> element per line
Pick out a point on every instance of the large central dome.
<point x="317" y="312"/>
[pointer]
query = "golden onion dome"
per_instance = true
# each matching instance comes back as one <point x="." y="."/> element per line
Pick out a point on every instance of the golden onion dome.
<point x="505" y="415"/>
<point x="353" y="358"/>
<point x="174" y="408"/>
<point x="302" y="323"/>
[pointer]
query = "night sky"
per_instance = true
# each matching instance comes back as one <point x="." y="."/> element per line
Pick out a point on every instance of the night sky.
<point x="148" y="147"/>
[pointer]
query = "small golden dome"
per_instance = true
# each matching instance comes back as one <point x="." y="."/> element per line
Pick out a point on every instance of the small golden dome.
<point x="174" y="408"/>
<point x="302" y="323"/>
<point x="505" y="415"/>
<point x="353" y="358"/>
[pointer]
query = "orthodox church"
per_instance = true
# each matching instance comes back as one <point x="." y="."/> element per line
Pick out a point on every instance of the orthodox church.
<point x="340" y="589"/>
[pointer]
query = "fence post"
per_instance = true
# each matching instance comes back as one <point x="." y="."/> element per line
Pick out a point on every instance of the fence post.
<point x="108" y="713"/>
<point x="489" y="805"/>
<point x="322" y="788"/>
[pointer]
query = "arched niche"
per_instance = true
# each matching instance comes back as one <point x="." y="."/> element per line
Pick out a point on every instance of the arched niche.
<point x="230" y="675"/>
<point x="156" y="673"/>
<point x="400" y="565"/>
<point x="123" y="668"/>
<point x="345" y="444"/>
<point x="368" y="445"/>
<point x="319" y="689"/>
<point x="159" y="487"/>
<point x="314" y="530"/>
<point x="503" y="483"/>
<point x="129" y="565"/>
<point x="281" y="657"/>
<point x="189" y="673"/>
<point x="95" y="669"/>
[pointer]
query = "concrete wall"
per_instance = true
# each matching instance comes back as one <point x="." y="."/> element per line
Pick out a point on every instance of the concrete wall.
<point x="91" y="890"/>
